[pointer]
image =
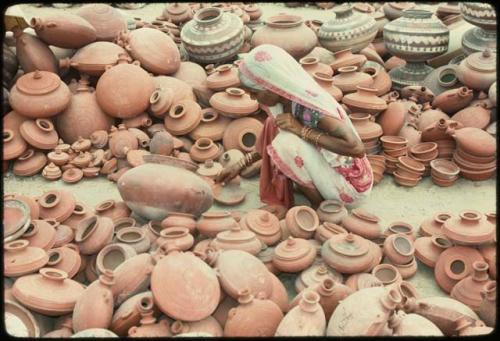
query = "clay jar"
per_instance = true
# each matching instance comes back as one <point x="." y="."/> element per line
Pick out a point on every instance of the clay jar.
<point x="79" y="213"/>
<point x="242" y="134"/>
<point x="293" y="255"/>
<point x="155" y="50"/>
<point x="66" y="258"/>
<point x="302" y="221"/>
<point x="112" y="209"/>
<point x="312" y="65"/>
<point x="57" y="204"/>
<point x="180" y="282"/>
<point x="433" y="225"/>
<point x="124" y="81"/>
<point x="128" y="314"/>
<point x="178" y="237"/>
<point x="39" y="94"/>
<point x="212" y="125"/>
<point x="362" y="223"/>
<point x="40" y="234"/>
<point x="327" y="230"/>
<point x="22" y="259"/>
<point x="237" y="239"/>
<point x="13" y="144"/>
<point x="83" y="116"/>
<point x="365" y="100"/>
<point x="252" y="317"/>
<point x="211" y="223"/>
<point x="183" y="117"/>
<point x="331" y="211"/>
<point x="135" y="237"/>
<point x="93" y="233"/>
<point x="400" y="227"/>
<point x="347" y="253"/>
<point x="121" y="141"/>
<point x="32" y="53"/>
<point x="39" y="133"/>
<point x="234" y="103"/>
<point x="398" y="248"/>
<point x="169" y="90"/>
<point x="478" y="70"/>
<point x="468" y="290"/>
<point x="94" y="308"/>
<point x="148" y="325"/>
<point x="453" y="100"/>
<point x="280" y="28"/>
<point x="470" y="228"/>
<point x="345" y="58"/>
<point x="49" y="293"/>
<point x="428" y="249"/>
<point x="264" y="224"/>
<point x="194" y="75"/>
<point x="306" y="319"/>
<point x="204" y="149"/>
<point x="225" y="76"/>
<point x="455" y="264"/>
<point x="68" y="31"/>
<point x="106" y="20"/>
<point x="315" y="275"/>
<point x="381" y="79"/>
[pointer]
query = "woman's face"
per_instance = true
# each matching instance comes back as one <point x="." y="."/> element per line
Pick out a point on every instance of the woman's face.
<point x="265" y="97"/>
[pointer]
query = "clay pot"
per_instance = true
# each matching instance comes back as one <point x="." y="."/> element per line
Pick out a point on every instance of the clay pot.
<point x="66" y="30"/>
<point x="264" y="224"/>
<point x="327" y="230"/>
<point x="399" y="248"/>
<point x="442" y="79"/>
<point x="128" y="314"/>
<point x="349" y="79"/>
<point x="364" y="100"/>
<point x="475" y="141"/>
<point x="247" y="318"/>
<point x="93" y="233"/>
<point x="223" y="308"/>
<point x="204" y="149"/>
<point x="66" y="258"/>
<point x="365" y="126"/>
<point x="29" y="163"/>
<point x="212" y="125"/>
<point x="387" y="274"/>
<point x="234" y="103"/>
<point x="40" y="234"/>
<point x="176" y="219"/>
<point x="13" y="144"/>
<point x="135" y="237"/>
<point x="306" y="319"/>
<point x="293" y="255"/>
<point x="225" y="76"/>
<point x="362" y="223"/>
<point x="112" y="255"/>
<point x="224" y="31"/>
<point x="132" y="277"/>
<point x="22" y="259"/>
<point x="32" y="53"/>
<point x="242" y="134"/>
<point x="490" y="255"/>
<point x="58" y="204"/>
<point x="315" y="275"/>
<point x="347" y="253"/>
<point x="64" y="235"/>
<point x="169" y="90"/>
<point x="302" y="221"/>
<point x="178" y="237"/>
<point x="79" y="213"/>
<point x="139" y="88"/>
<point x="112" y="209"/>
<point x="40" y="133"/>
<point x="468" y="290"/>
<point x="122" y="141"/>
<point x="94" y="308"/>
<point x="332" y="211"/>
<point x="470" y="228"/>
<point x="209" y="325"/>
<point x="312" y="65"/>
<point x="39" y="94"/>
<point x="473" y="116"/>
<point x="478" y="70"/>
<point x="345" y="57"/>
<point x="453" y="100"/>
<point x="326" y="82"/>
<point x="455" y="264"/>
<point x="183" y="117"/>
<point x="49" y="293"/>
<point x="428" y="249"/>
<point x="392" y="119"/>
<point x="148" y="325"/>
<point x="189" y="283"/>
<point x="487" y="308"/>
<point x="433" y="226"/>
<point x="95" y="333"/>
<point x="404" y="324"/>
<point x="107" y="21"/>
<point x="237" y="238"/>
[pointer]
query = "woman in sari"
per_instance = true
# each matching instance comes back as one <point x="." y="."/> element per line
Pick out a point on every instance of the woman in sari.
<point x="308" y="138"/>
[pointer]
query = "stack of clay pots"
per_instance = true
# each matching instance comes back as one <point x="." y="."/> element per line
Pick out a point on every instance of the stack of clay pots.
<point x="378" y="164"/>
<point x="368" y="131"/>
<point x="424" y="153"/>
<point x="408" y="171"/>
<point x="394" y="147"/>
<point x="444" y="172"/>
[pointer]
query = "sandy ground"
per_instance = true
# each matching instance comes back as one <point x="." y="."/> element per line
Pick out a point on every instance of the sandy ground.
<point x="388" y="200"/>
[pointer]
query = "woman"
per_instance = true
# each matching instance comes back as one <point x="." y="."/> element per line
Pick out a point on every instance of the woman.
<point x="308" y="138"/>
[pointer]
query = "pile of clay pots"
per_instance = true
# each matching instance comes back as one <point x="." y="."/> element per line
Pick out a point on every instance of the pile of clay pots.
<point x="76" y="271"/>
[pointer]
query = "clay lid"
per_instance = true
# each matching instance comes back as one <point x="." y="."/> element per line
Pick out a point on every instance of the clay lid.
<point x="350" y="245"/>
<point x="72" y="175"/>
<point x="262" y="222"/>
<point x="209" y="168"/>
<point x="292" y="248"/>
<point x="235" y="235"/>
<point x="485" y="61"/>
<point x="38" y="82"/>
<point x="469" y="228"/>
<point x="225" y="76"/>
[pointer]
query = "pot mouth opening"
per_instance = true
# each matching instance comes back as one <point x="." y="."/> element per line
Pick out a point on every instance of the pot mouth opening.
<point x="305" y="220"/>
<point x="54" y="257"/>
<point x="284" y="21"/>
<point x="8" y="135"/>
<point x="208" y="15"/>
<point x="403" y="245"/>
<point x="31" y="229"/>
<point x="105" y="205"/>
<point x="248" y="139"/>
<point x="113" y="258"/>
<point x="331" y="207"/>
<point x="470" y="215"/>
<point x="174" y="232"/>
<point x="26" y="155"/>
<point x="457" y="267"/>
<point x="309" y="60"/>
<point x="49" y="200"/>
<point x="447" y="77"/>
<point x="386" y="274"/>
<point x="44" y="125"/>
<point x="209" y="116"/>
<point x="79" y="209"/>
<point x="442" y="242"/>
<point x="442" y="217"/>
<point x="400" y="229"/>
<point x="130" y="236"/>
<point x="204" y="143"/>
<point x="90" y="227"/>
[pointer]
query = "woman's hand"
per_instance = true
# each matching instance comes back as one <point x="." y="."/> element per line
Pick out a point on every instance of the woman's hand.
<point x="288" y="122"/>
<point x="228" y="173"/>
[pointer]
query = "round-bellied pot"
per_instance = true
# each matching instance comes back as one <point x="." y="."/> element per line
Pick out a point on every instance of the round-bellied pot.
<point x="93" y="234"/>
<point x="483" y="16"/>
<point x="331" y="211"/>
<point x="470" y="228"/>
<point x="347" y="253"/>
<point x="478" y="71"/>
<point x="302" y="221"/>
<point x="293" y="255"/>
<point x="428" y="249"/>
<point x="398" y="248"/>
<point x="362" y="223"/>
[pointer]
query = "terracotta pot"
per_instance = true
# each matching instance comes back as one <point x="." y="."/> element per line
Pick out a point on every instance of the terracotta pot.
<point x="264" y="224"/>
<point x="32" y="53"/>
<point x="363" y="28"/>
<point x="302" y="221"/>
<point x="58" y="204"/>
<point x="175" y="237"/>
<point x="362" y="223"/>
<point x="490" y="255"/>
<point x="365" y="126"/>
<point x="169" y="90"/>
<point x="247" y="318"/>
<point x="478" y="70"/>
<point x="212" y="125"/>
<point x="399" y="248"/>
<point x="402" y="228"/>
<point x="293" y="255"/>
<point x="128" y="314"/>
<point x="139" y="89"/>
<point x="106" y="20"/>
<point x="433" y="226"/>
<point x="40" y="234"/>
<point x="204" y="149"/>
<point x="315" y="275"/>
<point x="173" y="294"/>
<point x="487" y="308"/>
<point x="349" y="79"/>
<point x="112" y="255"/>
<point x="470" y="228"/>
<point x="184" y="116"/>
<point x="453" y="100"/>
<point x="347" y="253"/>
<point x="178" y="13"/>
<point x="279" y="294"/>
<point x="428" y="249"/>
<point x="475" y="141"/>
<point x="242" y="134"/>
<point x="176" y="219"/>
<point x="223" y="29"/>
<point x="411" y="133"/>
<point x="362" y="280"/>
<point x="49" y="293"/>
<point x="345" y="57"/>
<point x="327" y="230"/>
<point x="387" y="274"/>
<point x="22" y="259"/>
<point x="112" y="209"/>
<point x="148" y="325"/>
<point x="64" y="235"/>
<point x="27" y="99"/>
<point x="93" y="233"/>
<point x="95" y="333"/>
<point x="132" y="277"/>
<point x="312" y="65"/>
<point x="438" y="130"/>
<point x="442" y="79"/>
<point x="39" y="134"/>
<point x="455" y="264"/>
<point x="468" y="290"/>
<point x="222" y="310"/>
<point x="225" y="76"/>
<point x="135" y="237"/>
<point x="194" y="75"/>
<point x="326" y="82"/>
<point x="331" y="211"/>
<point x="13" y="144"/>
<point x="238" y="239"/>
<point x="306" y="319"/>
<point x="29" y="163"/>
<point x="473" y="116"/>
<point x="122" y="141"/>
<point x="234" y="103"/>
<point x="404" y="324"/>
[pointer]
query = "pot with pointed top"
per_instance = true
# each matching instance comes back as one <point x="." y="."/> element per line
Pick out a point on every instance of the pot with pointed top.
<point x="347" y="253"/>
<point x="293" y="255"/>
<point x="306" y="319"/>
<point x="149" y="327"/>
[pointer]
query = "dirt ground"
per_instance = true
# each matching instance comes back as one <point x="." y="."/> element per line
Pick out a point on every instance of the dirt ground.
<point x="388" y="201"/>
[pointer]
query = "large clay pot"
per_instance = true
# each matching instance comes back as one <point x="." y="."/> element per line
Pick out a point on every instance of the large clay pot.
<point x="404" y="324"/>
<point x="234" y="103"/>
<point x="392" y="119"/>
<point x="184" y="116"/>
<point x="252" y="317"/>
<point x="184" y="287"/>
<point x="13" y="144"/>
<point x="22" y="259"/>
<point x="212" y="125"/>
<point x="93" y="234"/>
<point x="94" y="308"/>
<point x="39" y="133"/>
<point x="93" y="58"/>
<point x="222" y="29"/>
<point x="169" y="90"/>
<point x="362" y="223"/>
<point x="349" y="29"/>
<point x="49" y="293"/>
<point x="478" y="71"/>
<point x="280" y="28"/>
<point x="470" y="228"/>
<point x="107" y="21"/>
<point x="66" y="258"/>
<point x="347" y="253"/>
<point x="29" y="163"/>
<point x="33" y="54"/>
<point x="83" y="116"/>
<point x="155" y="50"/>
<point x="306" y="319"/>
<point x="64" y="30"/>
<point x="468" y="290"/>
<point x="475" y="141"/>
<point x="111" y="92"/>
<point x="39" y="94"/>
<point x="404" y="37"/>
<point x="242" y="134"/>
<point x="122" y="141"/>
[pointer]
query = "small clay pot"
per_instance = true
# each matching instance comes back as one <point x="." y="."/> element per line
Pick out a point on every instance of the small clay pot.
<point x="302" y="221"/>
<point x="434" y="225"/>
<point x="264" y="224"/>
<point x="135" y="237"/>
<point x="225" y="76"/>
<point x="238" y="239"/>
<point x="487" y="308"/>
<point x="112" y="255"/>
<point x="347" y="253"/>
<point x="204" y="149"/>
<point x="149" y="327"/>
<point x="22" y="259"/>
<point x="332" y="211"/>
<point x="80" y="212"/>
<point x="93" y="233"/>
<point x="131" y="277"/>
<point x="112" y="209"/>
<point x="183" y="117"/>
<point x="242" y="134"/>
<point x="234" y="103"/>
<point x="362" y="223"/>
<point x="428" y="249"/>
<point x="175" y="236"/>
<point x="293" y="255"/>
<point x="399" y="248"/>
<point x="57" y="204"/>
<point x="29" y="163"/>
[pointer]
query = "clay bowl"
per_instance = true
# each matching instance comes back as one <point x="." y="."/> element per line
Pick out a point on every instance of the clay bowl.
<point x="411" y="165"/>
<point x="478" y="175"/>
<point x="396" y="152"/>
<point x="393" y="142"/>
<point x="442" y="183"/>
<point x="405" y="181"/>
<point x="379" y="158"/>
<point x="390" y="160"/>
<point x="476" y="159"/>
<point x="407" y="173"/>
<point x="444" y="169"/>
<point x="371" y="143"/>
<point x="424" y="150"/>
<point x="472" y="165"/>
